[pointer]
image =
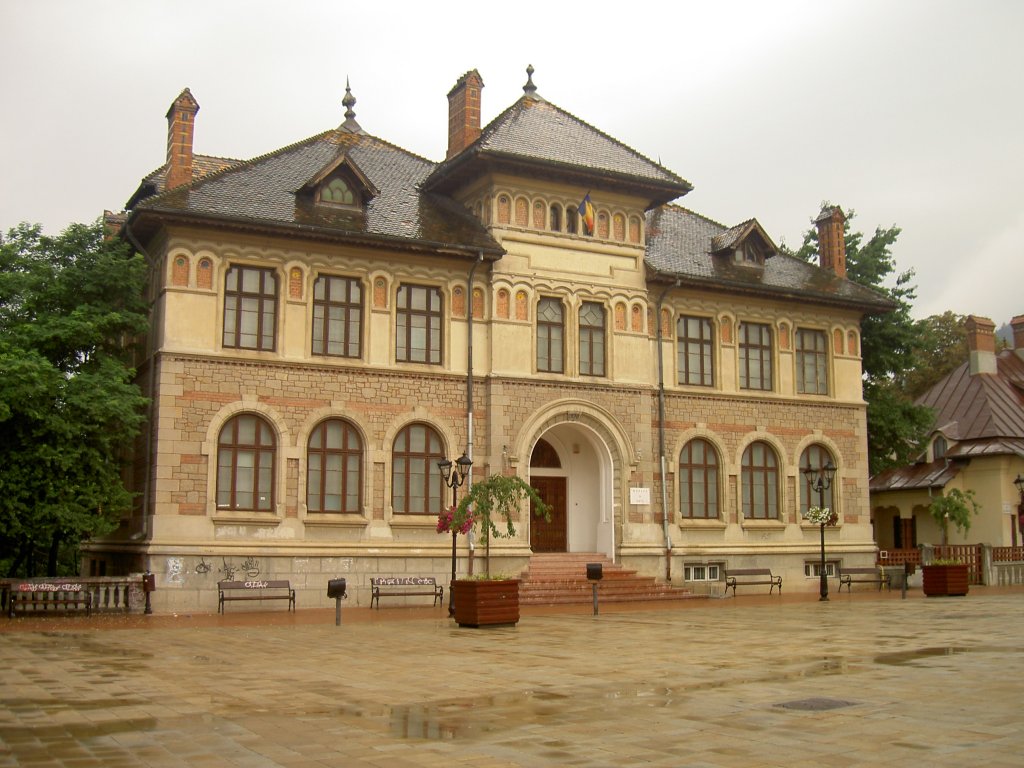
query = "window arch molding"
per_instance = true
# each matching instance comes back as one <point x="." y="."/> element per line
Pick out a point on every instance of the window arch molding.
<point x="781" y="472"/>
<point x="303" y="435"/>
<point x="702" y="489"/>
<point x="450" y="448"/>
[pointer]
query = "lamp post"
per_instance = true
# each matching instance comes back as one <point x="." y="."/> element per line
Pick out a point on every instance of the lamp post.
<point x="1019" y="482"/>
<point x="453" y="480"/>
<point x="820" y="480"/>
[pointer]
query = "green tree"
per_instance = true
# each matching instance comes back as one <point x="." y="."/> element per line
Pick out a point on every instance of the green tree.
<point x="69" y="306"/>
<point x="956" y="507"/>
<point x="943" y="347"/>
<point x="890" y="345"/>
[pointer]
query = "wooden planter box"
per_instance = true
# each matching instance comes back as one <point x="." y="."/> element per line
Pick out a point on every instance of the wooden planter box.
<point x="481" y="603"/>
<point x="943" y="580"/>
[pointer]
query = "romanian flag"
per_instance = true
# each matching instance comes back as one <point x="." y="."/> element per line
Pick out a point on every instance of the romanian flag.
<point x="587" y="214"/>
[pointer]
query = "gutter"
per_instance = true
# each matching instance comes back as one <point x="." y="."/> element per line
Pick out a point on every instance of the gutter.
<point x="661" y="432"/>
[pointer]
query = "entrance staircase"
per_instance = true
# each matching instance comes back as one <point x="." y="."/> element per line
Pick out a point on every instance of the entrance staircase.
<point x="560" y="578"/>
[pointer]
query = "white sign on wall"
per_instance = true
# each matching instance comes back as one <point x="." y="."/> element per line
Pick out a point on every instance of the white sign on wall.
<point x="639" y="495"/>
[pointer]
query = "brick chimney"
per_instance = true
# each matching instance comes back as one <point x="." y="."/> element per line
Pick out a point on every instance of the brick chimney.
<point x="181" y="118"/>
<point x="464" y="112"/>
<point x="832" y="239"/>
<point x="981" y="344"/>
<point x="1018" y="335"/>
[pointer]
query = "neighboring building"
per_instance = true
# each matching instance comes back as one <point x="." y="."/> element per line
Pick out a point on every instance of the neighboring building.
<point x="333" y="318"/>
<point x="977" y="445"/>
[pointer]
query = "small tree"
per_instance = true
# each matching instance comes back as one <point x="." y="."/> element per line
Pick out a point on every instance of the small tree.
<point x="956" y="507"/>
<point x="495" y="499"/>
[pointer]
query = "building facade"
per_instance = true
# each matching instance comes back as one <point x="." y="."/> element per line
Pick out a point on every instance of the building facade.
<point x="332" y="319"/>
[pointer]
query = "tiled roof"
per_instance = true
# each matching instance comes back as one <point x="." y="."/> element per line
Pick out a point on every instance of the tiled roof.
<point x="915" y="477"/>
<point x="680" y="245"/>
<point x="263" y="191"/>
<point x="156" y="182"/>
<point x="983" y="406"/>
<point x="536" y="132"/>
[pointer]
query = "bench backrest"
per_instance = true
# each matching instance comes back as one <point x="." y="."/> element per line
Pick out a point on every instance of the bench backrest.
<point x="254" y="584"/>
<point x="875" y="571"/>
<point x="48" y="586"/>
<point x="403" y="581"/>
<point x="748" y="572"/>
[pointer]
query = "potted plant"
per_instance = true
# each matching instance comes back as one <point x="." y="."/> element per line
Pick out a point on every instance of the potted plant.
<point x="943" y="576"/>
<point x="487" y="601"/>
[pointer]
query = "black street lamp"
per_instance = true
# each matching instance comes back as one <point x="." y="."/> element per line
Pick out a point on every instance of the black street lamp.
<point x="453" y="480"/>
<point x="1019" y="482"/>
<point x="820" y="480"/>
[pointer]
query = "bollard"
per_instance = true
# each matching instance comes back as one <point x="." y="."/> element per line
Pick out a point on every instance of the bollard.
<point x="336" y="589"/>
<point x="594" y="574"/>
<point x="148" y="587"/>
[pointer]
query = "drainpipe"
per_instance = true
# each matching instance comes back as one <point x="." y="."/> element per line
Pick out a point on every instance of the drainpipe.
<point x="153" y="363"/>
<point x="661" y="435"/>
<point x="469" y="386"/>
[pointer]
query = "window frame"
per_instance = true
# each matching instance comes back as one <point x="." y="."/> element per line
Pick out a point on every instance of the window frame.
<point x="757" y="351"/>
<point x="817" y="355"/>
<point x="258" y="448"/>
<point x="593" y="338"/>
<point x="404" y="460"/>
<point x="710" y="471"/>
<point x="544" y="336"/>
<point x="351" y="502"/>
<point x="705" y="351"/>
<point x="768" y="472"/>
<point x="321" y="347"/>
<point x="236" y="301"/>
<point x="433" y="324"/>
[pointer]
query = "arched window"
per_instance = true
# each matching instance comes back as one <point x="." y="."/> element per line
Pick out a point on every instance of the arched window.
<point x="246" y="451"/>
<point x="698" y="480"/>
<point x="939" y="448"/>
<point x="334" y="468"/>
<point x="760" y="482"/>
<point x="416" y="483"/>
<point x="572" y="218"/>
<point x="337" y="192"/>
<point x="556" y="218"/>
<point x="814" y="457"/>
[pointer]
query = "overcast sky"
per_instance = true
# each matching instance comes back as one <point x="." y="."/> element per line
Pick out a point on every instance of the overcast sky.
<point x="909" y="112"/>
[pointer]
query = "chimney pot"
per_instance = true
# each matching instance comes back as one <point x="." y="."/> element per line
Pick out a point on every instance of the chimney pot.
<point x="981" y="344"/>
<point x="181" y="118"/>
<point x="464" y="112"/>
<point x="832" y="239"/>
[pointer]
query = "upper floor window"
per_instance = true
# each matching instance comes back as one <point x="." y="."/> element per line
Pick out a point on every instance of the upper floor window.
<point x="334" y="468"/>
<point x="337" y="192"/>
<point x="245" y="464"/>
<point x="418" y="324"/>
<point x="694" y="351"/>
<point x="416" y="482"/>
<point x="755" y="343"/>
<point x="250" y="306"/>
<point x="572" y="219"/>
<point x="337" y="316"/>
<point x="760" y="480"/>
<point x="550" y="335"/>
<point x="815" y="457"/>
<point x="698" y="480"/>
<point x="939" y="448"/>
<point x="811" y="362"/>
<point x="592" y="339"/>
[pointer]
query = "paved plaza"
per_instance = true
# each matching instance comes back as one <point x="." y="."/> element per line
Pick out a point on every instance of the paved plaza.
<point x="863" y="680"/>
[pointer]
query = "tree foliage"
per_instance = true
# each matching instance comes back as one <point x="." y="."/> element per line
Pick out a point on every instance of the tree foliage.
<point x="69" y="306"/>
<point x="943" y="347"/>
<point x="891" y="343"/>
<point x="956" y="507"/>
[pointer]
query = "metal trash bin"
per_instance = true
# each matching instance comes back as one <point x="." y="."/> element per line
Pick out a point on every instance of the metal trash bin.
<point x="336" y="589"/>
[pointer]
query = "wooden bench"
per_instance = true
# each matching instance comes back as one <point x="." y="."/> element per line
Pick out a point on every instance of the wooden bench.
<point x="396" y="586"/>
<point x="851" y="576"/>
<point x="47" y="594"/>
<point x="255" y="589"/>
<point x="751" y="577"/>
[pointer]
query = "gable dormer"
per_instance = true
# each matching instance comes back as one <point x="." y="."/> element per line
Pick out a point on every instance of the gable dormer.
<point x="746" y="243"/>
<point x="340" y="184"/>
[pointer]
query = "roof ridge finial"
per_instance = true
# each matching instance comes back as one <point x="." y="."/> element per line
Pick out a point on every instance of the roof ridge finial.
<point x="348" y="102"/>
<point x="529" y="89"/>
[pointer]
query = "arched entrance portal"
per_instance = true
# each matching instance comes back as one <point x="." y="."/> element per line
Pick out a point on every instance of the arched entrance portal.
<point x="571" y="469"/>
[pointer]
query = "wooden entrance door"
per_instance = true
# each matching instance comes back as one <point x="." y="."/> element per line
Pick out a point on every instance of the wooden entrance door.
<point x="549" y="536"/>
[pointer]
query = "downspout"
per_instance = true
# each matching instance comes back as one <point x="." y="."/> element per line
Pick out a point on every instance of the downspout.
<point x="153" y="363"/>
<point x="469" y="386"/>
<point x="661" y="435"/>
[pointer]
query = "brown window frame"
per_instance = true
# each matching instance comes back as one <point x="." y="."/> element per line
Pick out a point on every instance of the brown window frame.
<point x="702" y="345"/>
<point x="239" y="300"/>
<point x="753" y="350"/>
<point x="348" y="311"/>
<point x="404" y="463"/>
<point x="764" y="475"/>
<point x="708" y="470"/>
<point x="593" y="337"/>
<point x="811" y="361"/>
<point x="432" y="314"/>
<point x="230" y="446"/>
<point x="546" y="330"/>
<point x="319" y="451"/>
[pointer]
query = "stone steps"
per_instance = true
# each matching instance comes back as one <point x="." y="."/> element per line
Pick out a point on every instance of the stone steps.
<point x="561" y="579"/>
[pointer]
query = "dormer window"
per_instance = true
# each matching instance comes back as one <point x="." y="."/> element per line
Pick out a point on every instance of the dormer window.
<point x="337" y="192"/>
<point x="750" y="253"/>
<point x="939" y="448"/>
